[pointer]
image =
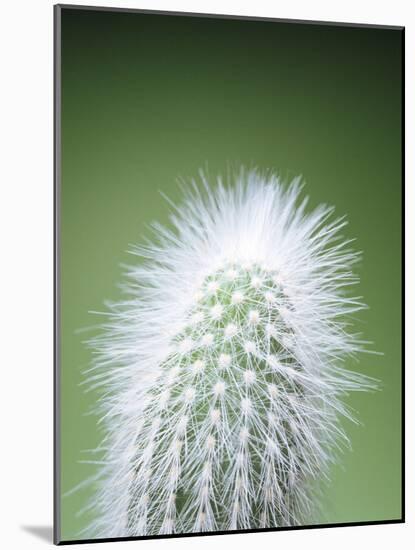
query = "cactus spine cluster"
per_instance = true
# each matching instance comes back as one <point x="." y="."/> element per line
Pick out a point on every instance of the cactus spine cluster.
<point x="222" y="383"/>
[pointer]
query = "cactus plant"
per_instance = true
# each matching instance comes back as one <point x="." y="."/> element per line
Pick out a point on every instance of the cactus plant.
<point x="221" y="370"/>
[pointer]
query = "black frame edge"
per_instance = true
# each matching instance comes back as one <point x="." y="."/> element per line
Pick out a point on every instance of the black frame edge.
<point x="403" y="280"/>
<point x="235" y="532"/>
<point x="227" y="16"/>
<point x="56" y="269"/>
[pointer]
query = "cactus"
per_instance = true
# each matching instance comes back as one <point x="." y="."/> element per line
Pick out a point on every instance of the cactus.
<point x="221" y="369"/>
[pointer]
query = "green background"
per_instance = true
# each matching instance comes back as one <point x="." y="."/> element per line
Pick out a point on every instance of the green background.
<point x="149" y="98"/>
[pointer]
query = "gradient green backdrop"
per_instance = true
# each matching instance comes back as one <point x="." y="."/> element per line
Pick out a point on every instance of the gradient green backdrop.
<point x="148" y="98"/>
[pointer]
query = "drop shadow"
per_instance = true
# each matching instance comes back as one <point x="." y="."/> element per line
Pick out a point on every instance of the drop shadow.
<point x="43" y="532"/>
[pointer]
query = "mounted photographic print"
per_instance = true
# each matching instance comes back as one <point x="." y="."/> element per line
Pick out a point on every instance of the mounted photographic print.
<point x="229" y="263"/>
